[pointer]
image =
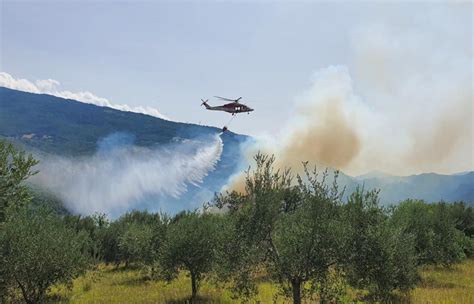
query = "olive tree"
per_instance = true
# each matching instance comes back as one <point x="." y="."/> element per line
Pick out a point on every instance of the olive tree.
<point x="291" y="229"/>
<point x="189" y="245"/>
<point x="40" y="251"/>
<point x="136" y="244"/>
<point x="378" y="255"/>
<point x="92" y="226"/>
<point x="437" y="241"/>
<point x="15" y="169"/>
<point x="134" y="237"/>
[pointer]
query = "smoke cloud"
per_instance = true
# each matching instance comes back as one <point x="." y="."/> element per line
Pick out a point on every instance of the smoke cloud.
<point x="324" y="127"/>
<point x="51" y="87"/>
<point x="415" y="74"/>
<point x="403" y="105"/>
<point x="120" y="176"/>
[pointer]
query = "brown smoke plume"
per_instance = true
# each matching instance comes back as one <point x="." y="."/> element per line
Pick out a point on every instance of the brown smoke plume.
<point x="415" y="112"/>
<point x="328" y="139"/>
<point x="333" y="128"/>
<point x="324" y="130"/>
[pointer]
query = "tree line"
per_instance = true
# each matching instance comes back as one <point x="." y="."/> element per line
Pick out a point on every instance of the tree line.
<point x="294" y="230"/>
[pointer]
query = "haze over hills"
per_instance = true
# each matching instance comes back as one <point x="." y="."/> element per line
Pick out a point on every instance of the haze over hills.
<point x="97" y="150"/>
<point x="71" y="128"/>
<point x="427" y="186"/>
<point x="99" y="159"/>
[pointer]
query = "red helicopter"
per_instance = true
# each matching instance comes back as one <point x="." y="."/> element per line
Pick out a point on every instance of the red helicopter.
<point x="234" y="107"/>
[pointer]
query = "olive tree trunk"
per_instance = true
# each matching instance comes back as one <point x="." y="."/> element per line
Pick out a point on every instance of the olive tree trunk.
<point x="296" y="289"/>
<point x="194" y="287"/>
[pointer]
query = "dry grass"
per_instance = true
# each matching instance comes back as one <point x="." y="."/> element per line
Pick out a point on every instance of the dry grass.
<point x="110" y="285"/>
<point x="440" y="285"/>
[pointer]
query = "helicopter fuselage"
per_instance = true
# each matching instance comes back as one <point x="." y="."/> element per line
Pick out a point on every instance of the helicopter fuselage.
<point x="232" y="108"/>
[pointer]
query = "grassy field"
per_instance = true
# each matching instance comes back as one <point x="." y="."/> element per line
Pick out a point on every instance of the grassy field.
<point x="441" y="285"/>
<point x="110" y="285"/>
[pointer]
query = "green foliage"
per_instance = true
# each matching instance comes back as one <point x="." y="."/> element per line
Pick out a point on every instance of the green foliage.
<point x="463" y="216"/>
<point x="446" y="238"/>
<point x="190" y="244"/>
<point x="133" y="238"/>
<point x="135" y="244"/>
<point x="437" y="241"/>
<point x="109" y="242"/>
<point x="39" y="251"/>
<point x="292" y="231"/>
<point x="44" y="198"/>
<point x="15" y="168"/>
<point x="94" y="227"/>
<point x="236" y="253"/>
<point x="378" y="256"/>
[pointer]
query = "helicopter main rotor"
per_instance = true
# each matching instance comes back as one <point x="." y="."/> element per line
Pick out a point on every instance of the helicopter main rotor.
<point x="228" y="99"/>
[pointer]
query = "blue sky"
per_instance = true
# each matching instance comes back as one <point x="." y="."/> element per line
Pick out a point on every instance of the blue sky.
<point x="170" y="54"/>
<point x="407" y="65"/>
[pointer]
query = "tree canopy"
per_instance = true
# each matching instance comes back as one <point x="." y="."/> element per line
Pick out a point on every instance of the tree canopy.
<point x="190" y="244"/>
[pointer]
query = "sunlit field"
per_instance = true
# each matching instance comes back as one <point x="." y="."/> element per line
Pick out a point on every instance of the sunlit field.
<point x="111" y="285"/>
<point x="440" y="285"/>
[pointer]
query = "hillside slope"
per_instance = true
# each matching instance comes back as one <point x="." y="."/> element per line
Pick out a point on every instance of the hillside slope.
<point x="52" y="126"/>
<point x="68" y="127"/>
<point x="49" y="125"/>
<point x="430" y="187"/>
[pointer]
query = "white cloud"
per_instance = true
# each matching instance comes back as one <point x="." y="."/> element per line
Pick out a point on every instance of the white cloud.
<point x="6" y="80"/>
<point x="47" y="85"/>
<point x="52" y="87"/>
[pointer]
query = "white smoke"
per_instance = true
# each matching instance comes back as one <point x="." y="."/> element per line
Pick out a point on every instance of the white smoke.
<point x="52" y="87"/>
<point x="415" y="74"/>
<point x="116" y="180"/>
<point x="402" y="105"/>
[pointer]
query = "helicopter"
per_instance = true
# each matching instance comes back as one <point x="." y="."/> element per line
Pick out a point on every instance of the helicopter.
<point x="234" y="107"/>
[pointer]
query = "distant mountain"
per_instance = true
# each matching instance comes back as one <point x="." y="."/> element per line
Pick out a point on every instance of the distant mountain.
<point x="49" y="125"/>
<point x="372" y="174"/>
<point x="68" y="127"/>
<point x="431" y="187"/>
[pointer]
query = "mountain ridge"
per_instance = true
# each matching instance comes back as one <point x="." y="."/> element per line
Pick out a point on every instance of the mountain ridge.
<point x="48" y="124"/>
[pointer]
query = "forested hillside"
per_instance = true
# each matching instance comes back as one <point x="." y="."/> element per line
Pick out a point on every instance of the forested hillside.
<point x="68" y="127"/>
